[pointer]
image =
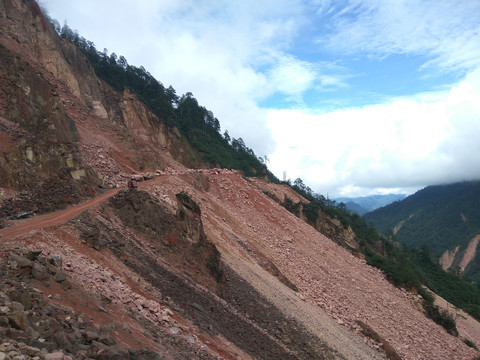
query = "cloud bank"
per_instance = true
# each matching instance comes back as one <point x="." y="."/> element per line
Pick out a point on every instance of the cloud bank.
<point x="401" y="145"/>
<point x="446" y="32"/>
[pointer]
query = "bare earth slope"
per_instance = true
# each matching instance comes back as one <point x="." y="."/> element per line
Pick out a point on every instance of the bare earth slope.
<point x="241" y="217"/>
<point x="94" y="274"/>
<point x="335" y="288"/>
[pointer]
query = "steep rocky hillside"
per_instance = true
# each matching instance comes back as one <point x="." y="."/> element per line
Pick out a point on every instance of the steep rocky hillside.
<point x="446" y="218"/>
<point x="194" y="264"/>
<point x="57" y="120"/>
<point x="325" y="224"/>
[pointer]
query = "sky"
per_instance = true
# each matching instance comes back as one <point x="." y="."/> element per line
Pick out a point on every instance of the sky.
<point x="355" y="97"/>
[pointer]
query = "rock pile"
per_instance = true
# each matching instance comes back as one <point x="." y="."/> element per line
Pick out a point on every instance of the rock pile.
<point x="47" y="196"/>
<point x="97" y="157"/>
<point x="33" y="328"/>
<point x="214" y="171"/>
<point x="326" y="275"/>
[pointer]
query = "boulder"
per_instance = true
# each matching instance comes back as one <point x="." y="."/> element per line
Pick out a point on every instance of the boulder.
<point x="21" y="261"/>
<point x="39" y="271"/>
<point x="91" y="335"/>
<point x="57" y="355"/>
<point x="17" y="318"/>
<point x="33" y="254"/>
<point x="113" y="352"/>
<point x="59" y="276"/>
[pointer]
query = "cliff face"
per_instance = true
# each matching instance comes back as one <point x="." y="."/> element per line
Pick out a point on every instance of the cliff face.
<point x="195" y="264"/>
<point x="39" y="138"/>
<point x="39" y="152"/>
<point x="59" y="121"/>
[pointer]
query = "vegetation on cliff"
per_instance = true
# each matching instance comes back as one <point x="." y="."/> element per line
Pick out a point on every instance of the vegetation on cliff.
<point x="195" y="122"/>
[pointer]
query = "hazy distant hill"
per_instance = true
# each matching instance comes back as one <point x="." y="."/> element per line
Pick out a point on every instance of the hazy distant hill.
<point x="365" y="204"/>
<point x="353" y="206"/>
<point x="444" y="217"/>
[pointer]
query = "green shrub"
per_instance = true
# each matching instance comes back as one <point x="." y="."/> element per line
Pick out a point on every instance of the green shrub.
<point x="426" y="295"/>
<point x="186" y="200"/>
<point x="311" y="211"/>
<point x="470" y="343"/>
<point x="443" y="318"/>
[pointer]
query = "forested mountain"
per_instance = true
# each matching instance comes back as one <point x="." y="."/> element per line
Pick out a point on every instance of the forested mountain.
<point x="441" y="217"/>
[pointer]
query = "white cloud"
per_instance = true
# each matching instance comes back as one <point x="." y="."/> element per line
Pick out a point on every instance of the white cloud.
<point x="406" y="143"/>
<point x="446" y="31"/>
<point x="212" y="49"/>
<point x="292" y="76"/>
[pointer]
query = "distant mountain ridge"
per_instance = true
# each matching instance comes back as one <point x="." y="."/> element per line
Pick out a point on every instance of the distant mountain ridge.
<point x="446" y="218"/>
<point x="365" y="204"/>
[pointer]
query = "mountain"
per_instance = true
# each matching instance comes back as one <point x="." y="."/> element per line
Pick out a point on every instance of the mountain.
<point x="202" y="260"/>
<point x="446" y="218"/>
<point x="364" y="204"/>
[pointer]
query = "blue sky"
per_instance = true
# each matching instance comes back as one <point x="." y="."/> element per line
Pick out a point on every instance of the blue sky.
<point x="356" y="97"/>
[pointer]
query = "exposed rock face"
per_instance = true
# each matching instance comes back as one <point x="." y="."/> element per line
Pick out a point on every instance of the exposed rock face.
<point x="190" y="215"/>
<point x="460" y="259"/>
<point x="333" y="229"/>
<point x="143" y="213"/>
<point x="39" y="138"/>
<point x="59" y="121"/>
<point x="39" y="153"/>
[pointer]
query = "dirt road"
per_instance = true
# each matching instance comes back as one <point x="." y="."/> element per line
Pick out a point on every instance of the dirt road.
<point x="52" y="219"/>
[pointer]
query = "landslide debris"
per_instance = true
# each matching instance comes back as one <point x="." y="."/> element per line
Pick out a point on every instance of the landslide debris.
<point x="47" y="196"/>
<point x="188" y="272"/>
<point x="34" y="327"/>
<point x="327" y="225"/>
<point x="149" y="251"/>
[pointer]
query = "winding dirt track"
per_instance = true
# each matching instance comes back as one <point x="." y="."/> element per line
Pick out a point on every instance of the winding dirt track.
<point x="52" y="219"/>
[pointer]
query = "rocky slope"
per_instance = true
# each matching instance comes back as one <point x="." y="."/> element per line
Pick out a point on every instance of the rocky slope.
<point x="194" y="264"/>
<point x="328" y="226"/>
<point x="141" y="255"/>
<point x="57" y="120"/>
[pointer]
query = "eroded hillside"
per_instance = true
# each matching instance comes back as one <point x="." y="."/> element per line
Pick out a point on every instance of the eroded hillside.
<point x="194" y="264"/>
<point x="142" y="254"/>
<point x="59" y="123"/>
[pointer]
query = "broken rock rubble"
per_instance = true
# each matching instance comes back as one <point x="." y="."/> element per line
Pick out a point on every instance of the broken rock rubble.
<point x="32" y="328"/>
